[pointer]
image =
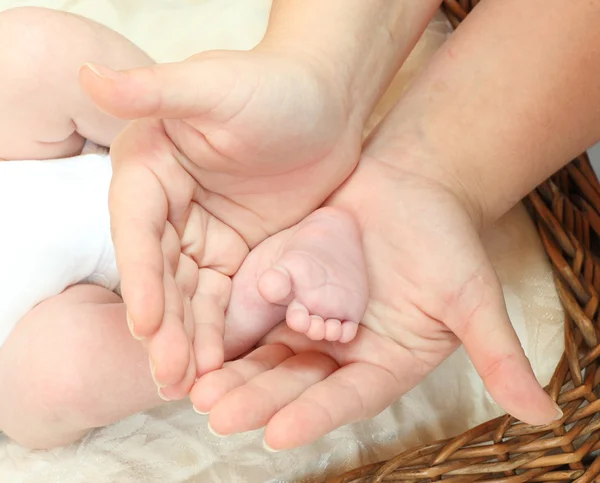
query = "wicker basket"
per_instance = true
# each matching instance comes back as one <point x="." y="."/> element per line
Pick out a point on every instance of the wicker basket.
<point x="566" y="210"/>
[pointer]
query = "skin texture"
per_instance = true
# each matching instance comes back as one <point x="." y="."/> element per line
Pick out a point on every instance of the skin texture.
<point x="93" y="373"/>
<point x="473" y="134"/>
<point x="210" y="169"/>
<point x="444" y="164"/>
<point x="70" y="364"/>
<point x="313" y="275"/>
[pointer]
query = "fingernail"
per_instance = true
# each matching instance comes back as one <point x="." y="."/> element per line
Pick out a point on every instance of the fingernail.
<point x="102" y="71"/>
<point x="269" y="449"/>
<point x="162" y="396"/>
<point x="559" y="413"/>
<point x="130" y="325"/>
<point x="214" y="433"/>
<point x="199" y="412"/>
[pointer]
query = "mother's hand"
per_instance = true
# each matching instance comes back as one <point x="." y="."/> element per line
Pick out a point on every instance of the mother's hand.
<point x="432" y="287"/>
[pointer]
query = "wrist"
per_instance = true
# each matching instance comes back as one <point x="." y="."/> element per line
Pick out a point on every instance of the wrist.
<point x="493" y="115"/>
<point x="358" y="46"/>
<point x="407" y="158"/>
<point x="330" y="72"/>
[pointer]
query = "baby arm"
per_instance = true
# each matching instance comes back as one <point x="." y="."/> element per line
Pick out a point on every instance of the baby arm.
<point x="44" y="113"/>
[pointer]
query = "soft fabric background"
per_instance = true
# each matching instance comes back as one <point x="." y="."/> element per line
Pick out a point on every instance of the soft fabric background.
<point x="172" y="444"/>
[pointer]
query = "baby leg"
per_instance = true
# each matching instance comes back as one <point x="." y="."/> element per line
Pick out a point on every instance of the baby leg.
<point x="44" y="112"/>
<point x="313" y="275"/>
<point x="71" y="365"/>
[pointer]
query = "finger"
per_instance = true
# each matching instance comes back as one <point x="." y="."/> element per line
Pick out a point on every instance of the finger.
<point x="167" y="91"/>
<point x="214" y="385"/>
<point x="168" y="348"/>
<point x="183" y="388"/>
<point x="186" y="279"/>
<point x="483" y="326"/>
<point x="138" y="210"/>
<point x="251" y="405"/>
<point x="212" y="243"/>
<point x="352" y="393"/>
<point x="209" y="304"/>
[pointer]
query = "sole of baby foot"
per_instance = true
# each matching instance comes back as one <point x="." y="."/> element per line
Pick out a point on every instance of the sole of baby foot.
<point x="320" y="275"/>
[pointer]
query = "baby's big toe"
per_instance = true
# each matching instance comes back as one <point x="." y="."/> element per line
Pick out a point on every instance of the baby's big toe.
<point x="275" y="285"/>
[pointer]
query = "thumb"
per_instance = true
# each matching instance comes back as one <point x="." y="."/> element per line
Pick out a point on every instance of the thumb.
<point x="494" y="348"/>
<point x="166" y="91"/>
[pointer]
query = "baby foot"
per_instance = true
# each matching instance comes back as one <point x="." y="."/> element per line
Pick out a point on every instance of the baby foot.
<point x="313" y="275"/>
<point x="311" y="279"/>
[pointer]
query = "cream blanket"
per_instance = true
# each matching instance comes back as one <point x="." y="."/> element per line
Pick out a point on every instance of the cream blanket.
<point x="172" y="444"/>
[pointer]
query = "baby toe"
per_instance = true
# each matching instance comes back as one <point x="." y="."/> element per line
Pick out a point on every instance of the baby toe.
<point x="333" y="330"/>
<point x="275" y="285"/>
<point x="297" y="317"/>
<point x="316" y="330"/>
<point x="349" y="330"/>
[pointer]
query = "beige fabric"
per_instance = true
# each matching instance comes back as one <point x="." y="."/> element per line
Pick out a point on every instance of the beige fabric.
<point x="172" y="444"/>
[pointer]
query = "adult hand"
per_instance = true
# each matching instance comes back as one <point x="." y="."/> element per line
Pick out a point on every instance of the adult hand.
<point x="431" y="287"/>
<point x="228" y="148"/>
